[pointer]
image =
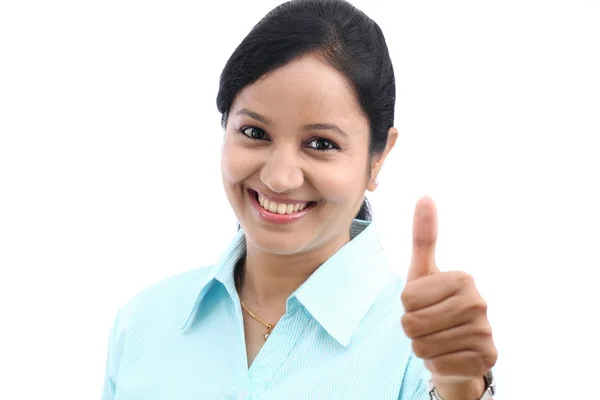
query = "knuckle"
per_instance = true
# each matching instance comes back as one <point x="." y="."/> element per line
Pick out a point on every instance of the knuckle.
<point x="477" y="306"/>
<point x="424" y="241"/>
<point x="483" y="330"/>
<point x="481" y="305"/>
<point x="490" y="358"/>
<point x="465" y="279"/>
<point x="408" y="299"/>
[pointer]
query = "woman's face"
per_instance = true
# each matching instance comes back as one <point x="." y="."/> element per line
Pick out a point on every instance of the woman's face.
<point x="295" y="158"/>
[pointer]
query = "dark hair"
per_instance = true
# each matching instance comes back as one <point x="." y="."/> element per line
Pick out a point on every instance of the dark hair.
<point x="342" y="36"/>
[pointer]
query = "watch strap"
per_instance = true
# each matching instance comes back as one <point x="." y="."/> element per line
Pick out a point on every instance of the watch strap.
<point x="490" y="389"/>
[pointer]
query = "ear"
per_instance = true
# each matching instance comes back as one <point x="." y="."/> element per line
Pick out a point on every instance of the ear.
<point x="378" y="160"/>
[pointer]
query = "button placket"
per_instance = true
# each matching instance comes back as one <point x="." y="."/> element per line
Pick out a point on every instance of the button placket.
<point x="276" y="350"/>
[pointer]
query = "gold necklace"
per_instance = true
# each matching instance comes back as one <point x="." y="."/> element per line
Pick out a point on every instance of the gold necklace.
<point x="269" y="326"/>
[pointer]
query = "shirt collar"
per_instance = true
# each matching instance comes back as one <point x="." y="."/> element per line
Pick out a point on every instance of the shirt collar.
<point x="359" y="270"/>
<point x="222" y="272"/>
<point x="341" y="291"/>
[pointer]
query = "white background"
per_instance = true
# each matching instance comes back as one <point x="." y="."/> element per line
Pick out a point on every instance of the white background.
<point x="109" y="171"/>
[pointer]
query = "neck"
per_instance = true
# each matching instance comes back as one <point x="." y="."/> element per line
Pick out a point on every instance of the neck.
<point x="268" y="280"/>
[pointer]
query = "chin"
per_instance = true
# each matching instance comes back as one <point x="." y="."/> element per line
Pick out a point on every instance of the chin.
<point x="279" y="243"/>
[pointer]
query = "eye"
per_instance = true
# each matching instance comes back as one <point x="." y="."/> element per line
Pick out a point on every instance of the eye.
<point x="322" y="144"/>
<point x="254" y="133"/>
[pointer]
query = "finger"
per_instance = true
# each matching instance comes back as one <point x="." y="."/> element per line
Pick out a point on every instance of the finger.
<point x="424" y="239"/>
<point x="474" y="336"/>
<point x="453" y="311"/>
<point x="467" y="363"/>
<point x="436" y="288"/>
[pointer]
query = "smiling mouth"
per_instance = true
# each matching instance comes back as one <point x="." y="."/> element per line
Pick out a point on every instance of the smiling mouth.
<point x="280" y="208"/>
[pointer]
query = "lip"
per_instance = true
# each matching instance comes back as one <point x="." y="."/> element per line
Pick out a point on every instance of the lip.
<point x="277" y="218"/>
<point x="280" y="200"/>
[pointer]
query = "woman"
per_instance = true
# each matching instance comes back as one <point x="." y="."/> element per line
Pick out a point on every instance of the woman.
<point x="302" y="305"/>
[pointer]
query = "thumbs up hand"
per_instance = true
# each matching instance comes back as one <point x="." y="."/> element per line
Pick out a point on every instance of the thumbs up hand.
<point x="445" y="316"/>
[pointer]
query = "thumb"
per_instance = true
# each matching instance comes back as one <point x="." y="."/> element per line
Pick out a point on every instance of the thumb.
<point x="424" y="238"/>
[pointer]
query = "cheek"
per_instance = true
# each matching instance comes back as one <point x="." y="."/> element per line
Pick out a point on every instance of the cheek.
<point x="236" y="162"/>
<point x="342" y="185"/>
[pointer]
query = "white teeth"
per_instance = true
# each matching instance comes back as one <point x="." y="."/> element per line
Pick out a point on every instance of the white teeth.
<point x="273" y="207"/>
<point x="280" y="208"/>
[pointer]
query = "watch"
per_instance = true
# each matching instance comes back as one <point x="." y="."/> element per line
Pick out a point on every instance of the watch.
<point x="490" y="388"/>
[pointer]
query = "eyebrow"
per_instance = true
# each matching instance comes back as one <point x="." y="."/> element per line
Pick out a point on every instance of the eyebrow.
<point x="326" y="127"/>
<point x="307" y="127"/>
<point x="253" y="115"/>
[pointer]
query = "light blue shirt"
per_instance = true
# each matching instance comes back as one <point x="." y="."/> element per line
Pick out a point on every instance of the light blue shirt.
<point x="340" y="338"/>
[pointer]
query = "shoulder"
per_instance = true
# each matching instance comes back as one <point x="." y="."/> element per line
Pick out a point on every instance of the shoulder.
<point x="164" y="301"/>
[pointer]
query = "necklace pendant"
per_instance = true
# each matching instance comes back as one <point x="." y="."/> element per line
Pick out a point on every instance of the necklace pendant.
<point x="268" y="332"/>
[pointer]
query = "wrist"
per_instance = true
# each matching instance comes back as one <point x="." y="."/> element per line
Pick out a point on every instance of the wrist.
<point x="471" y="389"/>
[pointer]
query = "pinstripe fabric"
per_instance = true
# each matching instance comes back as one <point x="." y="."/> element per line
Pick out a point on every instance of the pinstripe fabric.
<point x="340" y="337"/>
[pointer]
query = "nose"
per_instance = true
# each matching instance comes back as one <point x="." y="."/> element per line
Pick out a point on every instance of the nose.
<point x="281" y="173"/>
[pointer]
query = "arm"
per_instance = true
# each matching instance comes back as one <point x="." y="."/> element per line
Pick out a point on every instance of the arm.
<point x="115" y="345"/>
<point x="414" y="382"/>
<point x="445" y="317"/>
<point x="472" y="389"/>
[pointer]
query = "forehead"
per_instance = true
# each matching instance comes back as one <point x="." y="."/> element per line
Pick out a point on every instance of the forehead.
<point x="306" y="90"/>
